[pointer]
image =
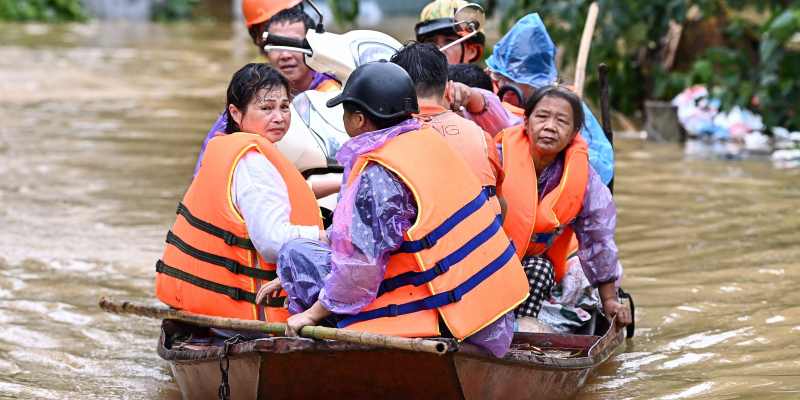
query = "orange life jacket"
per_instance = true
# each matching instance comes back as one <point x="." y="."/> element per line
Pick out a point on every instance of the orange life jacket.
<point x="210" y="265"/>
<point x="538" y="227"/>
<point x="467" y="139"/>
<point x="456" y="262"/>
<point x="520" y="112"/>
<point x="328" y="85"/>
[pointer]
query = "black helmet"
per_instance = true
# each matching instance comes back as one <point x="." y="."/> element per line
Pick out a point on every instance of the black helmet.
<point x="425" y="29"/>
<point x="382" y="88"/>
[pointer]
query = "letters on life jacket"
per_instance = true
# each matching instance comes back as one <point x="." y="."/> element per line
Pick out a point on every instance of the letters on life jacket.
<point x="538" y="227"/>
<point x="209" y="265"/>
<point x="456" y="262"/>
<point x="467" y="139"/>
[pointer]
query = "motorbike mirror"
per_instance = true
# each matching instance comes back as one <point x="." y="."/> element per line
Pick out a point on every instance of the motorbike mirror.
<point x="320" y="28"/>
<point x="468" y="21"/>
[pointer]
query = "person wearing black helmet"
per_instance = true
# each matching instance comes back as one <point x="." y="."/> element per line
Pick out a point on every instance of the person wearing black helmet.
<point x="403" y="188"/>
<point x="375" y="98"/>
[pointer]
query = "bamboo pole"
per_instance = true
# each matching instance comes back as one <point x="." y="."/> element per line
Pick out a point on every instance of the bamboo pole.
<point x="583" y="50"/>
<point x="313" y="332"/>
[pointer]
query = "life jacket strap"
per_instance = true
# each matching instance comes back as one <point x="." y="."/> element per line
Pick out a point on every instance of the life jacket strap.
<point x="230" y="291"/>
<point x="227" y="263"/>
<point x="437" y="300"/>
<point x="229" y="237"/>
<point x="443" y="265"/>
<point x="413" y="246"/>
<point x="547" y="238"/>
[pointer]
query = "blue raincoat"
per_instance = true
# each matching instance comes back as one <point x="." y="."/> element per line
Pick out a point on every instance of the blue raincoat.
<point x="526" y="54"/>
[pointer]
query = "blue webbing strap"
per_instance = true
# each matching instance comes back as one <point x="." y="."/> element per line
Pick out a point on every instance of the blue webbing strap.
<point x="543" y="238"/>
<point x="443" y="265"/>
<point x="437" y="300"/>
<point x="413" y="246"/>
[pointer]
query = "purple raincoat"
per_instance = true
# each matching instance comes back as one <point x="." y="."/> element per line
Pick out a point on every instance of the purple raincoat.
<point x="370" y="219"/>
<point x="594" y="225"/>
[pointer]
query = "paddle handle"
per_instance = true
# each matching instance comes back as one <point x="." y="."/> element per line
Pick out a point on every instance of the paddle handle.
<point x="583" y="50"/>
<point x="275" y="328"/>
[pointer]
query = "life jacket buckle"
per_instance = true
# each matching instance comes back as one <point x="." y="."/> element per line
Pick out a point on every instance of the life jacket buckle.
<point x="235" y="293"/>
<point x="427" y="242"/>
<point x="453" y="297"/>
<point x="393" y="310"/>
<point x="229" y="238"/>
<point x="439" y="269"/>
<point x="233" y="266"/>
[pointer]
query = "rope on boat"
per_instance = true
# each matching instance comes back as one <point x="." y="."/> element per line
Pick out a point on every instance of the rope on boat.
<point x="274" y="328"/>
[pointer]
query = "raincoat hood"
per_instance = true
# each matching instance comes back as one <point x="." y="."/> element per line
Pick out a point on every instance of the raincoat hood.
<point x="526" y="54"/>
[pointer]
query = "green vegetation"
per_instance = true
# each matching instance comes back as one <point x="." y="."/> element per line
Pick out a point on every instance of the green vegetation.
<point x="344" y="11"/>
<point x="41" y="10"/>
<point x="73" y="10"/>
<point x="741" y="49"/>
<point x="172" y="10"/>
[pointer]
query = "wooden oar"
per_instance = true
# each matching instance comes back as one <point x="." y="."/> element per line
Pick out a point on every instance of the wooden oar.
<point x="583" y="50"/>
<point x="314" y="332"/>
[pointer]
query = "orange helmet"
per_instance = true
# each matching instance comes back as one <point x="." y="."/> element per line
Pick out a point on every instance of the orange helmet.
<point x="258" y="11"/>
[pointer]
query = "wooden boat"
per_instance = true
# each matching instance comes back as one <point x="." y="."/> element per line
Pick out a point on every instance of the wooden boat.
<point x="539" y="366"/>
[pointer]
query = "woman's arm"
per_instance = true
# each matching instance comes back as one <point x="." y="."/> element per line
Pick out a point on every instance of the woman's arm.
<point x="261" y="196"/>
<point x="326" y="185"/>
<point x="594" y="227"/>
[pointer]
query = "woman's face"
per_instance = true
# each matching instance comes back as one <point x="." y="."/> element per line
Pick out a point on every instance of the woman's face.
<point x="550" y="126"/>
<point x="266" y="115"/>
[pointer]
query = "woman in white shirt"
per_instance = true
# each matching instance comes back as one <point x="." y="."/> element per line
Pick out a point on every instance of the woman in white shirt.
<point x="258" y="102"/>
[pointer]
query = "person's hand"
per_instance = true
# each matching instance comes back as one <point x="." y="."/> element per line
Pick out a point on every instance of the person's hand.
<point x="457" y="94"/>
<point x="271" y="288"/>
<point x="614" y="308"/>
<point x="296" y="322"/>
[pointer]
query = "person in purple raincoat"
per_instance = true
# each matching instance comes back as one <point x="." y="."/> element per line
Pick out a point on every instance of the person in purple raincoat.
<point x="325" y="282"/>
<point x="553" y="115"/>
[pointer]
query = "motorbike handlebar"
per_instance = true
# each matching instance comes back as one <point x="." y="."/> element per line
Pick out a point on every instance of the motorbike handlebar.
<point x="277" y="40"/>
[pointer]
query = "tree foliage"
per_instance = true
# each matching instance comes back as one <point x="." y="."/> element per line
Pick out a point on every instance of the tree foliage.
<point x="172" y="10"/>
<point x="753" y="60"/>
<point x="41" y="10"/>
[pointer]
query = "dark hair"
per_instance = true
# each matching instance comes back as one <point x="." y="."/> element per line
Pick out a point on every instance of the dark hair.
<point x="380" y="123"/>
<point x="426" y="65"/>
<point x="561" y="92"/>
<point x="245" y="84"/>
<point x="470" y="75"/>
<point x="290" y="15"/>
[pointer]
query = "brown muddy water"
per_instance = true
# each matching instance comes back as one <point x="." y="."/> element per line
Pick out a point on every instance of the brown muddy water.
<point x="101" y="124"/>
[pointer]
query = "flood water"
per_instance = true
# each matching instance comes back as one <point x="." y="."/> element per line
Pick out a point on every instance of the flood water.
<point x="101" y="124"/>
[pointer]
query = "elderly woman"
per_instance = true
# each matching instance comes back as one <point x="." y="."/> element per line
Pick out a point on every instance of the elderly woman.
<point x="551" y="192"/>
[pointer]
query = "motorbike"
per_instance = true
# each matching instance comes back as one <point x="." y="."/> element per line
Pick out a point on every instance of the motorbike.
<point x="317" y="131"/>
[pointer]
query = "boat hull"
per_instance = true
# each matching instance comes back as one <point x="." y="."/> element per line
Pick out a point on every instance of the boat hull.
<point x="296" y="368"/>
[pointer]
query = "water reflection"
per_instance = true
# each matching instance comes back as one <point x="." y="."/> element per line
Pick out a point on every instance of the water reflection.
<point x="101" y="125"/>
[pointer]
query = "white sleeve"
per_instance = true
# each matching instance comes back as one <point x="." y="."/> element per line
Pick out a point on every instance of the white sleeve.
<point x="260" y="194"/>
